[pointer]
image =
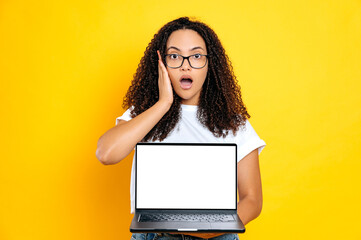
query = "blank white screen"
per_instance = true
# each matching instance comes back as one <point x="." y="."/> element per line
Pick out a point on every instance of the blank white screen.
<point x="186" y="177"/>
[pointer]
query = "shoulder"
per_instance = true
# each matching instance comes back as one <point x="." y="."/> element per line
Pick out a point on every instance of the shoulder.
<point x="248" y="140"/>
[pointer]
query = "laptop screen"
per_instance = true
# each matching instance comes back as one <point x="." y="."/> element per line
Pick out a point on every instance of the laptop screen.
<point x="186" y="176"/>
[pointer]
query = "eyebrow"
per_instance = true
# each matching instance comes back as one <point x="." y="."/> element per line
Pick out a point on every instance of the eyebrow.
<point x="180" y="50"/>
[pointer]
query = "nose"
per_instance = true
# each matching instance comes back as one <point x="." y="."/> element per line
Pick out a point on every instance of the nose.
<point x="186" y="65"/>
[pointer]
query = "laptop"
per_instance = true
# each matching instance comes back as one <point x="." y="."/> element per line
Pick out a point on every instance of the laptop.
<point x="186" y="187"/>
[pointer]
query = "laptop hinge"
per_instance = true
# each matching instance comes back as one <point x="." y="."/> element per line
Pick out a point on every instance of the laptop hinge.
<point x="184" y="211"/>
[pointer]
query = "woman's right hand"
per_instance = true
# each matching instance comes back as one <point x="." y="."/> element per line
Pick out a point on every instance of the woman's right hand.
<point x="164" y="83"/>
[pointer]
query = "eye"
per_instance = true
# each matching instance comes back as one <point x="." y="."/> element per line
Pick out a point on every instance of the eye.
<point x="197" y="56"/>
<point x="173" y="56"/>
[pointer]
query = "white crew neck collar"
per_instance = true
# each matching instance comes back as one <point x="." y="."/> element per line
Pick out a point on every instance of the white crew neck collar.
<point x="189" y="107"/>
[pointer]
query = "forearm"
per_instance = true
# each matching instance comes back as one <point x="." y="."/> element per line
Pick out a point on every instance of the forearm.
<point x="249" y="208"/>
<point x="120" y="140"/>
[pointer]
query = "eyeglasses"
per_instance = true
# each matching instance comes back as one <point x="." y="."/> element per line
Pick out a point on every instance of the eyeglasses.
<point x="195" y="61"/>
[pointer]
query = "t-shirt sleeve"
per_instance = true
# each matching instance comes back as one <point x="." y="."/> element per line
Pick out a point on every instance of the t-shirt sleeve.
<point x="126" y="116"/>
<point x="247" y="141"/>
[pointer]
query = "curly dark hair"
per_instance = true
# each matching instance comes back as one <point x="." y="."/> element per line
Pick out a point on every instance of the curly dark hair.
<point x="220" y="107"/>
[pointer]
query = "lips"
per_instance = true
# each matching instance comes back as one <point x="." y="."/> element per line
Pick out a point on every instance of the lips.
<point x="186" y="82"/>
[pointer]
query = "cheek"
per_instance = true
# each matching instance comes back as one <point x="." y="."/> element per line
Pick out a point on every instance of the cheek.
<point x="172" y="76"/>
<point x="203" y="75"/>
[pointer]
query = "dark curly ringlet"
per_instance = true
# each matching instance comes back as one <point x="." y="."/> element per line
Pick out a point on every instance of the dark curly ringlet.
<point x="220" y="108"/>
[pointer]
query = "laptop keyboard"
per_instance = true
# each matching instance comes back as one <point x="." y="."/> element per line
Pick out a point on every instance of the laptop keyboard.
<point x="166" y="217"/>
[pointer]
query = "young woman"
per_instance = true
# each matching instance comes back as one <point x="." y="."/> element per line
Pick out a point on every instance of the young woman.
<point x="185" y="90"/>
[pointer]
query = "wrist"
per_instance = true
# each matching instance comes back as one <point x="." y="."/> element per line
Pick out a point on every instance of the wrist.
<point x="163" y="105"/>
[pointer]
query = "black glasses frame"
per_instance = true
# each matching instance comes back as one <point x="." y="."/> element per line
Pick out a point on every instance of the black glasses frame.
<point x="183" y="57"/>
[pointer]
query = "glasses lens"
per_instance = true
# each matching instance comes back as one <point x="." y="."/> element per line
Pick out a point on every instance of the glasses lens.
<point x="174" y="60"/>
<point x="198" y="61"/>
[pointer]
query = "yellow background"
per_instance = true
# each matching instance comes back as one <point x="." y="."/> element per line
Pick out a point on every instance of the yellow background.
<point x="66" y="65"/>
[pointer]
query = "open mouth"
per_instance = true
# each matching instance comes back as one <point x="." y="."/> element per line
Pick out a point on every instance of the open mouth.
<point x="186" y="82"/>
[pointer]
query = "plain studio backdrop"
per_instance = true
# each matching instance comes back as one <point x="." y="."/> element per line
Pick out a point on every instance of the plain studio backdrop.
<point x="66" y="65"/>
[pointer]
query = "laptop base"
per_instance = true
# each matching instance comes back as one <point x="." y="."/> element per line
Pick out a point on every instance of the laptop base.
<point x="186" y="226"/>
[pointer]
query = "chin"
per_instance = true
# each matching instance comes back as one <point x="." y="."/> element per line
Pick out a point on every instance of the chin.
<point x="184" y="96"/>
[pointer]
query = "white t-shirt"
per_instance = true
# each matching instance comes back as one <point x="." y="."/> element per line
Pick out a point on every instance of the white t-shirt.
<point x="190" y="130"/>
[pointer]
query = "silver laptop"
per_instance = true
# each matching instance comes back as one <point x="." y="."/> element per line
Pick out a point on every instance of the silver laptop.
<point x="186" y="187"/>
